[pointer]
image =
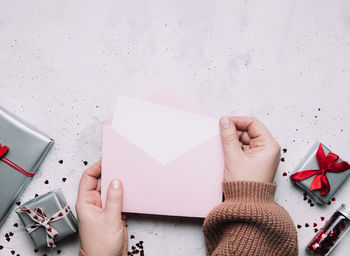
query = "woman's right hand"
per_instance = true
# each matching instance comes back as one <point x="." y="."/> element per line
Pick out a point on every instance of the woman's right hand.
<point x="250" y="151"/>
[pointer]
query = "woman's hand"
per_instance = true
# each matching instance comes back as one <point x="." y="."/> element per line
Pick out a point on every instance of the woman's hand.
<point x="251" y="153"/>
<point x="102" y="231"/>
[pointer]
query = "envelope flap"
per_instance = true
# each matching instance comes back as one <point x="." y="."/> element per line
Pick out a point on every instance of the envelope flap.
<point x="169" y="97"/>
<point x="163" y="132"/>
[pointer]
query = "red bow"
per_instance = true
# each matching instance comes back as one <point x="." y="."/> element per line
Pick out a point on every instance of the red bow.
<point x="3" y="151"/>
<point x="327" y="164"/>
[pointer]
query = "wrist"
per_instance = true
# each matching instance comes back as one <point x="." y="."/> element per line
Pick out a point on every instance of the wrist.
<point x="249" y="191"/>
<point x="248" y="175"/>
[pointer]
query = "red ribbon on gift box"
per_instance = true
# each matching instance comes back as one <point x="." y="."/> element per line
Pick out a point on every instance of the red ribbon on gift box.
<point x="3" y="151"/>
<point x="327" y="164"/>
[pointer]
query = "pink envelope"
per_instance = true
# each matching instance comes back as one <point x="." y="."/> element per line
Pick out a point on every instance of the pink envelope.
<point x="189" y="185"/>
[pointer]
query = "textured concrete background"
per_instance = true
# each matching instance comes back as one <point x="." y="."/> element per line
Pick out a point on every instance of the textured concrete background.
<point x="62" y="63"/>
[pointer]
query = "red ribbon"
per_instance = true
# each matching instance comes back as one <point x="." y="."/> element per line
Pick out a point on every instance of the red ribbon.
<point x="327" y="164"/>
<point x="3" y="151"/>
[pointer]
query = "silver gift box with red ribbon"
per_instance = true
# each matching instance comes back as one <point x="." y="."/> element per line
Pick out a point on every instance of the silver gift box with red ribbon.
<point x="48" y="219"/>
<point x="22" y="149"/>
<point x="321" y="173"/>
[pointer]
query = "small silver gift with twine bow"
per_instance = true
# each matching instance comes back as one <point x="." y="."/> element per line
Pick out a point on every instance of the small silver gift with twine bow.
<point x="47" y="219"/>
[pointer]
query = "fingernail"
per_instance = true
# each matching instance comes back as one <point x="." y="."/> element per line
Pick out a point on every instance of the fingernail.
<point x="116" y="184"/>
<point x="225" y="122"/>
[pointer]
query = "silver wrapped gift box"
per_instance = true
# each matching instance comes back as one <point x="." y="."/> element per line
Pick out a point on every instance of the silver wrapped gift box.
<point x="50" y="205"/>
<point x="27" y="148"/>
<point x="310" y="162"/>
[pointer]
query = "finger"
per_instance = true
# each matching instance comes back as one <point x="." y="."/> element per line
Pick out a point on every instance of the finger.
<point x="98" y="188"/>
<point x="239" y="133"/>
<point x="246" y="148"/>
<point x="229" y="137"/>
<point x="126" y="238"/>
<point x="252" y="125"/>
<point x="113" y="208"/>
<point x="89" y="179"/>
<point x="124" y="218"/>
<point x="245" y="138"/>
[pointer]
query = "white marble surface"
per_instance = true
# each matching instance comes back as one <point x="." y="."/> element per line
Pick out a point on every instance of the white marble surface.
<point x="62" y="63"/>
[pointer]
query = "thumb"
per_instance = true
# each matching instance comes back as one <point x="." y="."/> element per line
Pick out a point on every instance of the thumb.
<point x="114" y="200"/>
<point x="229" y="138"/>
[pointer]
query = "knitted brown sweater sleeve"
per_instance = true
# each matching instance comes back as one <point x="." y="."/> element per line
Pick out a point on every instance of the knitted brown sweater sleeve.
<point x="249" y="222"/>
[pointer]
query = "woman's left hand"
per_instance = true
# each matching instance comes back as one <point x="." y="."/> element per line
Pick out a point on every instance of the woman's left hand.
<point x="102" y="231"/>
